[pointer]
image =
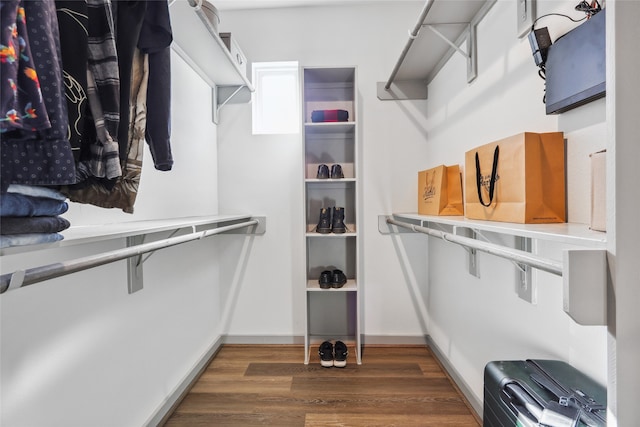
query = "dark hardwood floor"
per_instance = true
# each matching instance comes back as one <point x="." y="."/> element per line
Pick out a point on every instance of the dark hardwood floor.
<point x="269" y="385"/>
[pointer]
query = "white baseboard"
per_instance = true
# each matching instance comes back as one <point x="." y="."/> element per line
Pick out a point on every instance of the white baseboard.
<point x="175" y="397"/>
<point x="455" y="376"/>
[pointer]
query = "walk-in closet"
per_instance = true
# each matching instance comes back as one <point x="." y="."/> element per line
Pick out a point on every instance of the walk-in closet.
<point x="215" y="213"/>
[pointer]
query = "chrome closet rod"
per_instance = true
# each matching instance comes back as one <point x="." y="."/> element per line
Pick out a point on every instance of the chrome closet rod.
<point x="516" y="255"/>
<point x="412" y="37"/>
<point x="51" y="271"/>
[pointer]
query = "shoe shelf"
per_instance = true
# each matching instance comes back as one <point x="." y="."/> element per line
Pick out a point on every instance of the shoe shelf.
<point x="330" y="127"/>
<point x="350" y="286"/>
<point x="333" y="313"/>
<point x="328" y="181"/>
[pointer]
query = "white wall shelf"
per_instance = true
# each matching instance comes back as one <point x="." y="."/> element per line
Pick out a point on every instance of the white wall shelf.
<point x="200" y="46"/>
<point x="84" y="234"/>
<point x="134" y="232"/>
<point x="584" y="270"/>
<point x="441" y="28"/>
<point x="569" y="233"/>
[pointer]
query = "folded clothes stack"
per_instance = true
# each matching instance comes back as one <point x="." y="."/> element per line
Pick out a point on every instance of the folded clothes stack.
<point x="30" y="215"/>
<point x="319" y="116"/>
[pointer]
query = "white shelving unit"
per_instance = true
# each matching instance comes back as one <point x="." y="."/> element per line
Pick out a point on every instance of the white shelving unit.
<point x="443" y="28"/>
<point x="331" y="314"/>
<point x="200" y="45"/>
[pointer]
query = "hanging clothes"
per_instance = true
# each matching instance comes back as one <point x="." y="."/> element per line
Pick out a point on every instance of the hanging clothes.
<point x="149" y="103"/>
<point x="92" y="76"/>
<point x="123" y="194"/>
<point x="40" y="156"/>
<point x="73" y="23"/>
<point x="22" y="103"/>
<point x="155" y="39"/>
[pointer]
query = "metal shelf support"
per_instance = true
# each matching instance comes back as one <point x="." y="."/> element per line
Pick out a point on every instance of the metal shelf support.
<point x="20" y="278"/>
<point x="583" y="271"/>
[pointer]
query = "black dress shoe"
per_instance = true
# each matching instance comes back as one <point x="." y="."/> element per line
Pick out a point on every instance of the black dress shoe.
<point x="336" y="172"/>
<point x="324" y="223"/>
<point x="323" y="172"/>
<point x="338" y="279"/>
<point x="337" y="221"/>
<point x="325" y="279"/>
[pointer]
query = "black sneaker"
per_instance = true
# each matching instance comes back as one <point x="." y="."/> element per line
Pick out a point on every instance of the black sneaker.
<point x="325" y="279"/>
<point x="338" y="279"/>
<point x="341" y="353"/>
<point x="336" y="172"/>
<point x="326" y="354"/>
<point x="323" y="172"/>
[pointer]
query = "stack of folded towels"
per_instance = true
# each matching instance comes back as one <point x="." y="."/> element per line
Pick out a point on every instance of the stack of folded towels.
<point x="30" y="215"/>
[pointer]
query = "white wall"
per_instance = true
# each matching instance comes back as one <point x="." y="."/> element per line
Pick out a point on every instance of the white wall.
<point x="268" y="179"/>
<point x="78" y="350"/>
<point x="471" y="320"/>
<point x="474" y="320"/>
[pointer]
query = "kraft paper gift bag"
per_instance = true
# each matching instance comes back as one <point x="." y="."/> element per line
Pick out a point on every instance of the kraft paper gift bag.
<point x="440" y="191"/>
<point x="517" y="179"/>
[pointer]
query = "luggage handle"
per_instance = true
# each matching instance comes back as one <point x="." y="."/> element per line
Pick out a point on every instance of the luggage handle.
<point x="520" y="395"/>
<point x="492" y="180"/>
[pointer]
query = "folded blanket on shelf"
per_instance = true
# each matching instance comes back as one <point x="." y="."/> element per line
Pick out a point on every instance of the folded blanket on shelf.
<point x="15" y="204"/>
<point x="319" y="116"/>
<point x="10" y="240"/>
<point x="32" y="224"/>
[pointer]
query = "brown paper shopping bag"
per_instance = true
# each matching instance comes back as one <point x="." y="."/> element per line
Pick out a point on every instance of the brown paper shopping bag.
<point x="517" y="179"/>
<point x="440" y="191"/>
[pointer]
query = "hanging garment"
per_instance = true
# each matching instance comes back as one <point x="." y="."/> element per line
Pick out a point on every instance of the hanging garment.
<point x="41" y="157"/>
<point x="155" y="39"/>
<point x="73" y="25"/>
<point x="22" y="103"/>
<point x="125" y="191"/>
<point x="129" y="16"/>
<point x="99" y="157"/>
<point x="32" y="224"/>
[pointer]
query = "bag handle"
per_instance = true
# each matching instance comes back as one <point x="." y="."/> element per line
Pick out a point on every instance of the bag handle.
<point x="492" y="182"/>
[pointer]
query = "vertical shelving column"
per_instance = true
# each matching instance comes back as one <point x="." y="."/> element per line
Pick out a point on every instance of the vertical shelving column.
<point x="334" y="313"/>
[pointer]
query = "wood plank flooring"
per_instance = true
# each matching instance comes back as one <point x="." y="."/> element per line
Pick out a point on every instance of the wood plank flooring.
<point x="269" y="385"/>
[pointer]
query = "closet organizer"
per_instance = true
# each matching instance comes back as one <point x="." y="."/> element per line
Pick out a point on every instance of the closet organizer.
<point x="96" y="143"/>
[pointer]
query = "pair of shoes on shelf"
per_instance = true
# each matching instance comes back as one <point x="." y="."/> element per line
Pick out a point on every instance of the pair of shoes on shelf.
<point x="331" y="220"/>
<point x="332" y="279"/>
<point x="333" y="355"/>
<point x="323" y="172"/>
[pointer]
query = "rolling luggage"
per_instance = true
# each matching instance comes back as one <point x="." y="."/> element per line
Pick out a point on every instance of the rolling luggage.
<point x="532" y="393"/>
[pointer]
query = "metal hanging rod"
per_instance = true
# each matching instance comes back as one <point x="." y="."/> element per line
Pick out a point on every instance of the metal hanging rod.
<point x="30" y="276"/>
<point x="516" y="255"/>
<point x="412" y="36"/>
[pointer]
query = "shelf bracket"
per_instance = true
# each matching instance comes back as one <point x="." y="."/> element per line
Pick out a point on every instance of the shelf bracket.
<point x="433" y="28"/>
<point x="472" y="254"/>
<point x="525" y="287"/>
<point x="470" y="54"/>
<point x="223" y="95"/>
<point x="134" y="266"/>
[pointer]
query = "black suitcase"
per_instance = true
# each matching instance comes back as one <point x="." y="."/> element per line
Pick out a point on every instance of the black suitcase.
<point x="536" y="393"/>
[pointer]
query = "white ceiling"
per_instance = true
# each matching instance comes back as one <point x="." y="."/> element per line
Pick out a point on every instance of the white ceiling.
<point x="260" y="4"/>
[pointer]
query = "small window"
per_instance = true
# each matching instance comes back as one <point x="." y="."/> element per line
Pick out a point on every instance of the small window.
<point x="276" y="105"/>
